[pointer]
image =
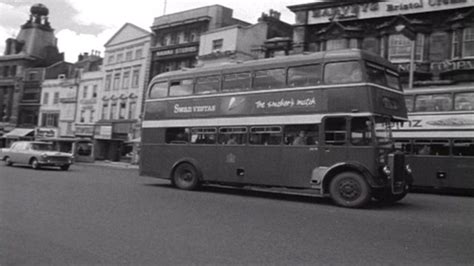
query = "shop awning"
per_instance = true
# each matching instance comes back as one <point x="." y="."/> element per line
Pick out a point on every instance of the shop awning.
<point x="19" y="132"/>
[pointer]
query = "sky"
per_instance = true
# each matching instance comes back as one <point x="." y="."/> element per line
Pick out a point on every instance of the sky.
<point x="85" y="25"/>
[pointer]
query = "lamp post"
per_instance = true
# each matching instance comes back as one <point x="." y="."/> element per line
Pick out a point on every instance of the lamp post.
<point x="411" y="35"/>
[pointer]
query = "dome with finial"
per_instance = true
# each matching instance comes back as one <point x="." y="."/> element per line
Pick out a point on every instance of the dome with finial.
<point x="39" y="10"/>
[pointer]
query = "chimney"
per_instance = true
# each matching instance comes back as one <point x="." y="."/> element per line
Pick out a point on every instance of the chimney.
<point x="80" y="57"/>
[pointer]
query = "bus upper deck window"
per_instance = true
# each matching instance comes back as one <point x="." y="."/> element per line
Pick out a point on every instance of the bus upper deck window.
<point x="393" y="80"/>
<point x="181" y="87"/>
<point x="304" y="75"/>
<point x="342" y="72"/>
<point x="464" y="101"/>
<point x="159" y="90"/>
<point x="376" y="74"/>
<point x="269" y="79"/>
<point x="207" y="85"/>
<point x="236" y="81"/>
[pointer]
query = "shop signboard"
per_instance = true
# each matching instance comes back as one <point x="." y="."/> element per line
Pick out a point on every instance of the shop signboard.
<point x="103" y="132"/>
<point x="381" y="9"/>
<point x="44" y="132"/>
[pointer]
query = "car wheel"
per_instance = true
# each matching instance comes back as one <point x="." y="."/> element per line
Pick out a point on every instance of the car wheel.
<point x="65" y="167"/>
<point x="8" y="161"/>
<point x="185" y="176"/>
<point x="35" y="164"/>
<point x="350" y="190"/>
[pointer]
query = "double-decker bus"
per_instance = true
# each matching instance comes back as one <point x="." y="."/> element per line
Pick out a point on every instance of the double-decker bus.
<point x="315" y="123"/>
<point x="438" y="139"/>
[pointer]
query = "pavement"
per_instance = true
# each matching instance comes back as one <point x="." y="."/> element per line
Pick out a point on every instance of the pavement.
<point x="107" y="163"/>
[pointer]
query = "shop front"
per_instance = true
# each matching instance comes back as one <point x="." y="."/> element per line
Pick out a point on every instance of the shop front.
<point x="114" y="140"/>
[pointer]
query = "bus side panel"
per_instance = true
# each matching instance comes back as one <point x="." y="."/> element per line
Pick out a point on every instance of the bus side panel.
<point x="300" y="161"/>
<point x="462" y="174"/>
<point x="152" y="161"/>
<point x="158" y="160"/>
<point x="426" y="168"/>
<point x="263" y="165"/>
<point x="442" y="171"/>
<point x="231" y="163"/>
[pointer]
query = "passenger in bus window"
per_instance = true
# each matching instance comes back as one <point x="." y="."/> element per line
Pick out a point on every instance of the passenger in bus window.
<point x="301" y="139"/>
<point x="232" y="140"/>
<point x="425" y="150"/>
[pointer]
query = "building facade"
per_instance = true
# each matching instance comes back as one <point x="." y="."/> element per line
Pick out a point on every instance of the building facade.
<point x="89" y="68"/>
<point x="442" y="31"/>
<point x="125" y="67"/>
<point x="175" y="43"/>
<point x="22" y="70"/>
<point x="240" y="43"/>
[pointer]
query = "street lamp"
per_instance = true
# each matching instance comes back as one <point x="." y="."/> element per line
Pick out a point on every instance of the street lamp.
<point x="411" y="35"/>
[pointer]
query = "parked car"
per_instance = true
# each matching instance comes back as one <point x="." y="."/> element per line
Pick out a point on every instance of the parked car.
<point x="36" y="154"/>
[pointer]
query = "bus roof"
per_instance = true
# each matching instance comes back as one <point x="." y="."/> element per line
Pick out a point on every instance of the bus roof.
<point x="299" y="59"/>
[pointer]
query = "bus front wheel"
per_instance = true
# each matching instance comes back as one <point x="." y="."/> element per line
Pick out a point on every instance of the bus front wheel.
<point x="185" y="176"/>
<point x="349" y="189"/>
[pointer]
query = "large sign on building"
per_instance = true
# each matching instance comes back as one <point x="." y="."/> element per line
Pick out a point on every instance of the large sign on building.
<point x="382" y="9"/>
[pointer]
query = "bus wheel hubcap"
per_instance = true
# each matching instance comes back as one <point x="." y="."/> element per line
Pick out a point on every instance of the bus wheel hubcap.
<point x="187" y="176"/>
<point x="349" y="189"/>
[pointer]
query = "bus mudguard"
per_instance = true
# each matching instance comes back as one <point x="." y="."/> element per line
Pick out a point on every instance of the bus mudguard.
<point x="343" y="167"/>
<point x="189" y="160"/>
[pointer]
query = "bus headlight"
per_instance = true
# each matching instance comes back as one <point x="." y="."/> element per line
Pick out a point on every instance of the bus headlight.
<point x="387" y="171"/>
<point x="408" y="168"/>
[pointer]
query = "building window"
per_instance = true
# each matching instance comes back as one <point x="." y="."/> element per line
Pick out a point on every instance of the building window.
<point x="105" y="111"/>
<point x="108" y="82"/>
<point x="336" y="44"/>
<point x="135" y="78"/>
<point x="13" y="71"/>
<point x="131" y="110"/>
<point x="113" y="111"/>
<point x="455" y="51"/>
<point x="94" y="91"/>
<point x="399" y="48"/>
<point x="123" y="108"/>
<point x="91" y="116"/>
<point x="126" y="79"/>
<point x="128" y="56"/>
<point x="111" y="59"/>
<point x="84" y="92"/>
<point x="174" y="38"/>
<point x="468" y="42"/>
<point x="56" y="98"/>
<point x="49" y="119"/>
<point x="32" y="76"/>
<point x="45" y="98"/>
<point x="83" y="114"/>
<point x="354" y="43"/>
<point x="138" y="53"/>
<point x="116" y="81"/>
<point x="217" y="44"/>
<point x="6" y="70"/>
<point x="119" y="58"/>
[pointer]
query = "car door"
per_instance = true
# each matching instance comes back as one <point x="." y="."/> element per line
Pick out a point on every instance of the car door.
<point x="14" y="149"/>
<point x="21" y="153"/>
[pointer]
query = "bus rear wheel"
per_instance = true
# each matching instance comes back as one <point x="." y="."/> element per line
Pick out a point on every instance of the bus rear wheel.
<point x="185" y="176"/>
<point x="349" y="189"/>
